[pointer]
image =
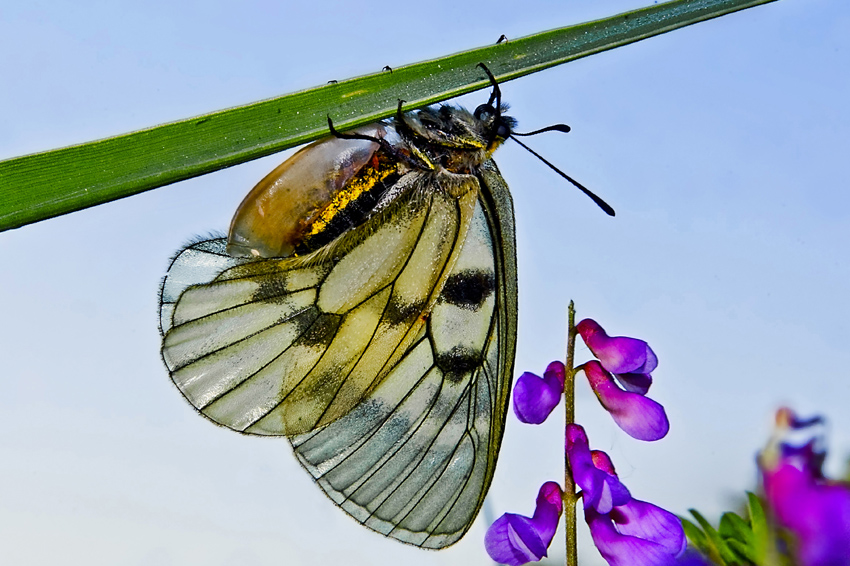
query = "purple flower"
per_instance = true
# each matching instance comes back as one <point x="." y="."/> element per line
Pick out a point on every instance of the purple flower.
<point x="786" y="418"/>
<point x="629" y="359"/>
<point x="637" y="533"/>
<point x="640" y="417"/>
<point x="535" y="397"/>
<point x="814" y="509"/>
<point x="692" y="557"/>
<point x="817" y="512"/>
<point x="515" y="539"/>
<point x="808" y="456"/>
<point x="601" y="489"/>
<point x="631" y="531"/>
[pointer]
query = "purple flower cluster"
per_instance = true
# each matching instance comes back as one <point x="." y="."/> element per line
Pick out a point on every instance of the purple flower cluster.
<point x="620" y="377"/>
<point x="629" y="362"/>
<point x="625" y="530"/>
<point x="814" y="509"/>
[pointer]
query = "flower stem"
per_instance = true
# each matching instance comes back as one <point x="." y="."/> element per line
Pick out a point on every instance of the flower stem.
<point x="569" y="405"/>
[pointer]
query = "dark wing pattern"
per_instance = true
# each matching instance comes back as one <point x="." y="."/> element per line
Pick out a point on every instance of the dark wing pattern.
<point x="415" y="459"/>
<point x="388" y="367"/>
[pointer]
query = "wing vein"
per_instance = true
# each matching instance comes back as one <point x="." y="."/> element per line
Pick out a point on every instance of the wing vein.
<point x="363" y="351"/>
<point x="434" y="479"/>
<point x="425" y="452"/>
<point x="306" y="374"/>
<point x="278" y="322"/>
<point x="366" y="438"/>
<point x="264" y="366"/>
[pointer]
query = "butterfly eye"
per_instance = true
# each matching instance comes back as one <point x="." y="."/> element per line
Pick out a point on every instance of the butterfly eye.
<point x="503" y="131"/>
<point x="484" y="109"/>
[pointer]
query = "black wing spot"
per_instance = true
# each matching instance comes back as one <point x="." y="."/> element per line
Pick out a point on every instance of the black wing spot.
<point x="270" y="288"/>
<point x="398" y="313"/>
<point x="322" y="332"/>
<point x="458" y="362"/>
<point x="469" y="289"/>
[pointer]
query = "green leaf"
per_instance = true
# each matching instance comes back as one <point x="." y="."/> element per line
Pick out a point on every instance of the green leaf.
<point x="738" y="535"/>
<point x="695" y="535"/>
<point x="762" y="533"/>
<point x="734" y="527"/>
<point x="742" y="552"/>
<point x="43" y="185"/>
<point x="717" y="546"/>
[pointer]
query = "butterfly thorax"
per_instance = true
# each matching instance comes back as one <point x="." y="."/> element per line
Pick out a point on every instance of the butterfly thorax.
<point x="452" y="138"/>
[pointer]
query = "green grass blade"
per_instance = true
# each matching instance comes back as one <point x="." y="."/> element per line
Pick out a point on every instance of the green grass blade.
<point x="44" y="185"/>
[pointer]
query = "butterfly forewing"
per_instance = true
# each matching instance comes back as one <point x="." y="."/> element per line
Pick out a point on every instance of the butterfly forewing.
<point x="277" y="347"/>
<point x="415" y="458"/>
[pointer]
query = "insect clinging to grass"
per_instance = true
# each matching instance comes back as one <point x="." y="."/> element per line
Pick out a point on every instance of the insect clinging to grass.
<point x="364" y="305"/>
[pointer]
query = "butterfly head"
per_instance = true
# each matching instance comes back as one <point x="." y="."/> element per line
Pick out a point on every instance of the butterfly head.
<point x="495" y="126"/>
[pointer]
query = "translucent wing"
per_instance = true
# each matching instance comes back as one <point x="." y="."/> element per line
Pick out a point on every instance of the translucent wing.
<point x="387" y="364"/>
<point x="416" y="458"/>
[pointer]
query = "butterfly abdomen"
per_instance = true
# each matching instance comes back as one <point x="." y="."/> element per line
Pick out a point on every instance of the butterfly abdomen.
<point x="351" y="205"/>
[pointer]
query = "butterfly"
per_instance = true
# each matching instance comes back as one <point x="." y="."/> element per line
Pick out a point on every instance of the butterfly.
<point x="364" y="305"/>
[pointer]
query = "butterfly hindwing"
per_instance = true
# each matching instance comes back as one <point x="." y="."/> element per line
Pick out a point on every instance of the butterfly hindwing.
<point x="387" y="362"/>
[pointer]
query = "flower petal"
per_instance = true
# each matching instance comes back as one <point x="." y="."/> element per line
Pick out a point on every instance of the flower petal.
<point x="692" y="557"/>
<point x="556" y="370"/>
<point x="809" y="457"/>
<point x="536" y="397"/>
<point x="640" y="417"/>
<point x="650" y="522"/>
<point x="624" y="550"/>
<point x="515" y="539"/>
<point x="601" y="490"/>
<point x="787" y="418"/>
<point x="550" y="501"/>
<point x="602" y="461"/>
<point x="618" y="354"/>
<point x="644" y="520"/>
<point x="635" y="382"/>
<point x="817" y="512"/>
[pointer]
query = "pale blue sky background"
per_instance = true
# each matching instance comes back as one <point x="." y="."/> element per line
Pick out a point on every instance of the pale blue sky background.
<point x="723" y="147"/>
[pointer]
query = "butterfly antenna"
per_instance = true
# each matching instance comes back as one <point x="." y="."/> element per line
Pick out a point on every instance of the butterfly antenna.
<point x="496" y="95"/>
<point x="553" y="128"/>
<point x="559" y="127"/>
